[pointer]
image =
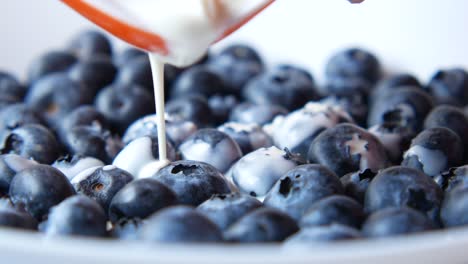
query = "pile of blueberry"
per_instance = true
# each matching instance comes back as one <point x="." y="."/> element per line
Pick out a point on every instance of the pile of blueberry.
<point x="259" y="154"/>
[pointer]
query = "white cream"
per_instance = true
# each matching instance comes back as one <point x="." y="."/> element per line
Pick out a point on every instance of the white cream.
<point x="188" y="27"/>
<point x="72" y="170"/>
<point x="433" y="161"/>
<point x="135" y="156"/>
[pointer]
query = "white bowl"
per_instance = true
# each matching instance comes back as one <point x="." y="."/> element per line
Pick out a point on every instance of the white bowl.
<point x="448" y="246"/>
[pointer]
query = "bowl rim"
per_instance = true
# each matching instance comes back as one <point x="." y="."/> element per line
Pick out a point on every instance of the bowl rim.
<point x="433" y="246"/>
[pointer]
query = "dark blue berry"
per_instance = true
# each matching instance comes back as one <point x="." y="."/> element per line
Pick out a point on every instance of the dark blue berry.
<point x="221" y="107"/>
<point x="38" y="188"/>
<point x="355" y="184"/>
<point x="198" y="80"/>
<point x="346" y="148"/>
<point x="101" y="183"/>
<point x="32" y="141"/>
<point x="137" y="71"/>
<point x="193" y="182"/>
<point x="140" y="198"/>
<point x="394" y="82"/>
<point x="10" y="164"/>
<point x="335" y="209"/>
<point x="90" y="43"/>
<point x="190" y="108"/>
<point x="123" y="58"/>
<point x="402" y="186"/>
<point x="50" y="62"/>
<point x="180" y="224"/>
<point x="57" y="95"/>
<point x="123" y="104"/>
<point x="281" y="86"/>
<point x="449" y="86"/>
<point x="407" y="106"/>
<point x="394" y="137"/>
<point x="16" y="115"/>
<point x="354" y="62"/>
<point x="301" y="187"/>
<point x="86" y="115"/>
<point x="16" y="217"/>
<point x="11" y="87"/>
<point x="76" y="215"/>
<point x="262" y="225"/>
<point x="396" y="221"/>
<point x="95" y="73"/>
<point x="127" y="229"/>
<point x="225" y="209"/>
<point x="249" y="137"/>
<point x="455" y="207"/>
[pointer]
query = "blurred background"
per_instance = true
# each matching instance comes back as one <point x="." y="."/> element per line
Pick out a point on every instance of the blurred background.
<point x="417" y="36"/>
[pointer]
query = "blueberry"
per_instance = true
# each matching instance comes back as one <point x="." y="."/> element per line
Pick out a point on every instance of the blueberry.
<point x="402" y="186"/>
<point x="16" y="115"/>
<point x="7" y="100"/>
<point x="95" y="73"/>
<point x="262" y="225"/>
<point x="257" y="172"/>
<point x="193" y="182"/>
<point x="16" y="217"/>
<point x="190" y="108"/>
<point x="90" y="43"/>
<point x="355" y="184"/>
<point x="57" y="95"/>
<point x="211" y="146"/>
<point x="32" y="141"/>
<point x="335" y="209"/>
<point x="354" y="104"/>
<point x="198" y="80"/>
<point x="354" y="62"/>
<point x="221" y="107"/>
<point x="396" y="221"/>
<point x="123" y="58"/>
<point x="180" y="224"/>
<point x="123" y="104"/>
<point x="407" y="106"/>
<point x="137" y="71"/>
<point x="85" y="115"/>
<point x="346" y="148"/>
<point x="127" y="229"/>
<point x="101" y="183"/>
<point x="321" y="234"/>
<point x="93" y="142"/>
<point x="395" y="139"/>
<point x="71" y="166"/>
<point x="10" y="164"/>
<point x="449" y="86"/>
<point x="298" y="129"/>
<point x="280" y="86"/>
<point x="140" y="152"/>
<point x="249" y="137"/>
<point x="76" y="215"/>
<point x="434" y="150"/>
<point x="50" y="62"/>
<point x="453" y="177"/>
<point x="225" y="209"/>
<point x="38" y="188"/>
<point x="140" y="198"/>
<point x="394" y="82"/>
<point x="449" y="117"/>
<point x="299" y="188"/>
<point x="10" y="86"/>
<point x="177" y="131"/>
<point x="454" y="207"/>
<point x="347" y="86"/>
<point x="258" y="114"/>
<point x="237" y="64"/>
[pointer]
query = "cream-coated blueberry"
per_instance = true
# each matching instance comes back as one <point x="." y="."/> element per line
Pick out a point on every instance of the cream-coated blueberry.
<point x="257" y="172"/>
<point x="140" y="152"/>
<point x="74" y="165"/>
<point x="211" y="146"/>
<point x="296" y="130"/>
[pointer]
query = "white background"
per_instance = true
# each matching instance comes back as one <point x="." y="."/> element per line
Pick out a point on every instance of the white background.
<point x="408" y="35"/>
